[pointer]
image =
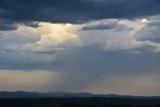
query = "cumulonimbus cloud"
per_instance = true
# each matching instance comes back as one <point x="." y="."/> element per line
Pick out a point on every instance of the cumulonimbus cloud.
<point x="140" y="35"/>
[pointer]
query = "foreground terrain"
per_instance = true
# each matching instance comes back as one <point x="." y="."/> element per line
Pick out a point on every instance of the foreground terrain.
<point x="80" y="102"/>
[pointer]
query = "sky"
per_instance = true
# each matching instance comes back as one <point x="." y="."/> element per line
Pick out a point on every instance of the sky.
<point x="97" y="46"/>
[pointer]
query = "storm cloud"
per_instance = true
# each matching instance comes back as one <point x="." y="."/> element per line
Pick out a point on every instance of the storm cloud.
<point x="73" y="11"/>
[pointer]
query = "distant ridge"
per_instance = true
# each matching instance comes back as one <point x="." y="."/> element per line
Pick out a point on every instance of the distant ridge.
<point x="25" y="94"/>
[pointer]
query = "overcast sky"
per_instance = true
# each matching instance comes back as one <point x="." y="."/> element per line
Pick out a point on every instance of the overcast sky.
<point x="97" y="46"/>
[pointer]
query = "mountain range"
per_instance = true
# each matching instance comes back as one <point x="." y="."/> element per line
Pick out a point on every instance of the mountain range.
<point x="25" y="94"/>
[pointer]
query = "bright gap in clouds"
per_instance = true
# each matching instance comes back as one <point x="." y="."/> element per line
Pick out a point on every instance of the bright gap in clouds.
<point x="13" y="80"/>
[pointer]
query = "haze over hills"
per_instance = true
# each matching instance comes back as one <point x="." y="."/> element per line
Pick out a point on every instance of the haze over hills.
<point x="25" y="94"/>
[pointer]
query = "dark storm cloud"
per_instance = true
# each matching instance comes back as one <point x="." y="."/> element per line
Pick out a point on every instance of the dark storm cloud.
<point x="7" y="25"/>
<point x="31" y="24"/>
<point x="74" y="11"/>
<point x="110" y="26"/>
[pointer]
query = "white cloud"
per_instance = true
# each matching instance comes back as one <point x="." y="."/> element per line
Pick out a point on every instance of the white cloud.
<point x="125" y="39"/>
<point x="52" y="37"/>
